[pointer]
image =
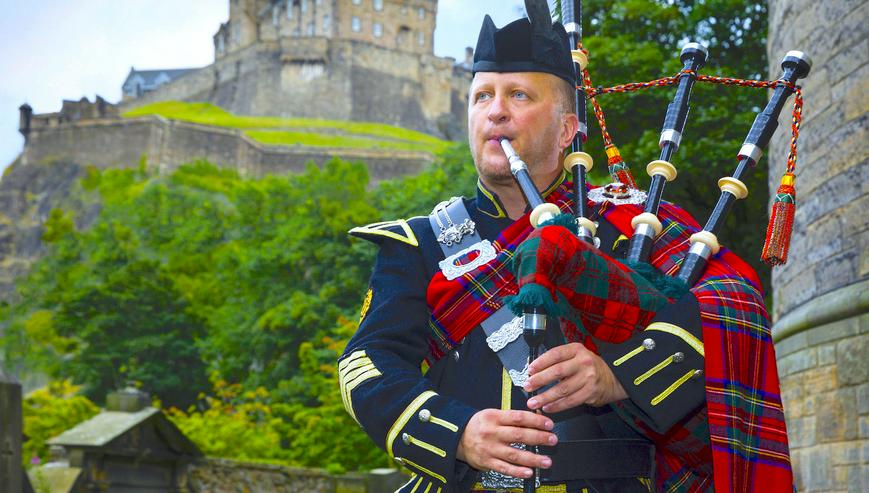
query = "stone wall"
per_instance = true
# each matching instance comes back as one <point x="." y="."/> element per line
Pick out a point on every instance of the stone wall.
<point x="168" y="143"/>
<point x="821" y="297"/>
<point x="226" y="476"/>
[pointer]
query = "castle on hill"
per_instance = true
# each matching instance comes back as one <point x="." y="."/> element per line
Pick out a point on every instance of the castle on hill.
<point x="356" y="60"/>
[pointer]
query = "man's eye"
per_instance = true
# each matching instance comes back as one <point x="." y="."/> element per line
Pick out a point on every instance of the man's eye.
<point x="520" y="95"/>
<point x="482" y="96"/>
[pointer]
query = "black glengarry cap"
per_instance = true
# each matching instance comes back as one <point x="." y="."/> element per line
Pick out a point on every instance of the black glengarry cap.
<point x="535" y="44"/>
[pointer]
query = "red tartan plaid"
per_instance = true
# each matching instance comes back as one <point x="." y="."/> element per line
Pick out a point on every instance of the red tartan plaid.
<point x="745" y="433"/>
<point x="605" y="298"/>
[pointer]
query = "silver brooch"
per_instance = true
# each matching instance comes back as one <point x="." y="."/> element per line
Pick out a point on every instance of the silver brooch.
<point x="451" y="233"/>
<point x="454" y="234"/>
<point x="617" y="193"/>
<point x="453" y="267"/>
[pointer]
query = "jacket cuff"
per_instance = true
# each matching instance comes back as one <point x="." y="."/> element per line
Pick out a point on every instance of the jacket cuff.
<point x="661" y="368"/>
<point x="424" y="439"/>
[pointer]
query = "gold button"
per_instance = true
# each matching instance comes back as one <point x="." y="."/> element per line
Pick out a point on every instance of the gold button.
<point x="679" y="357"/>
<point x="648" y="344"/>
<point x="405" y="438"/>
<point x="425" y="415"/>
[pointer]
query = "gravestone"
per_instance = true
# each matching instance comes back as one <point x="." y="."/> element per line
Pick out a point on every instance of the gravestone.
<point x="11" y="473"/>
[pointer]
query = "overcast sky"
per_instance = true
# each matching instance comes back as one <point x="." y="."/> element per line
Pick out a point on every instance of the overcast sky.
<point x="52" y="50"/>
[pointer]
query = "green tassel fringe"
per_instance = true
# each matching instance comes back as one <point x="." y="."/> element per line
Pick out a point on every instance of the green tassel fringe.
<point x="672" y="287"/>
<point x="533" y="295"/>
<point x="565" y="220"/>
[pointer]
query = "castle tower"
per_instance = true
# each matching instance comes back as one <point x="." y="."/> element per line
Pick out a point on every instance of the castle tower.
<point x="821" y="297"/>
<point x="403" y="25"/>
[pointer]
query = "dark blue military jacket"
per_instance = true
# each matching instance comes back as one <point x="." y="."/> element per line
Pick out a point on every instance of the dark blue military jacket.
<point x="419" y="418"/>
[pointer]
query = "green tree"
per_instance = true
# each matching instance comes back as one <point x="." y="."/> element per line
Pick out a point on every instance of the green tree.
<point x="640" y="40"/>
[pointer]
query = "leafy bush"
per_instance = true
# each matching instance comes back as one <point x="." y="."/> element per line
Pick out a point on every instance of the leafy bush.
<point x="49" y="412"/>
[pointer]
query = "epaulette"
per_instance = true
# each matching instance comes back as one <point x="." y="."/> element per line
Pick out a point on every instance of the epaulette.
<point x="376" y="232"/>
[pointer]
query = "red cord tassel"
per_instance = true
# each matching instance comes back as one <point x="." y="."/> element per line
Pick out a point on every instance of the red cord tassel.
<point x="781" y="223"/>
<point x="619" y="170"/>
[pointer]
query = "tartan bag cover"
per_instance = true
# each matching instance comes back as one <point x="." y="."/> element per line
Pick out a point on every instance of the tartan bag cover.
<point x="746" y="439"/>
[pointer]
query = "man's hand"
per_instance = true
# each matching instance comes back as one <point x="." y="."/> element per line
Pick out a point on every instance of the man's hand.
<point x="485" y="443"/>
<point x="582" y="378"/>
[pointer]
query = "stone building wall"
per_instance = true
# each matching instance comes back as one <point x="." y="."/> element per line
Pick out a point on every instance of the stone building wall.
<point x="318" y="77"/>
<point x="821" y="297"/>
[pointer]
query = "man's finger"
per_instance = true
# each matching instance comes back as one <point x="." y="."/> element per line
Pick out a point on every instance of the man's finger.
<point x="554" y="373"/>
<point x="577" y="398"/>
<point x="551" y="357"/>
<point x="524" y="419"/>
<point x="503" y="467"/>
<point x="566" y="389"/>
<point x="519" y="457"/>
<point x="528" y="436"/>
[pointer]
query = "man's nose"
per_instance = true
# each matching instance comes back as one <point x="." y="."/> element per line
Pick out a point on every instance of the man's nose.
<point x="498" y="111"/>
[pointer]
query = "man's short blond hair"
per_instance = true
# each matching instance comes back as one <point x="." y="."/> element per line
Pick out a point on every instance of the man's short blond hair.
<point x="566" y="95"/>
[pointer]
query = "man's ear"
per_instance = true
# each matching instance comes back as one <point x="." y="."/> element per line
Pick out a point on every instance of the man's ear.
<point x="569" y="127"/>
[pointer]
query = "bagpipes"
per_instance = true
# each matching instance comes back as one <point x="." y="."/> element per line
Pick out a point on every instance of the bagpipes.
<point x="646" y="225"/>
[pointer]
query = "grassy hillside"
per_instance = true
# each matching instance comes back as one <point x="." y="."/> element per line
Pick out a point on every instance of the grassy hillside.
<point x="297" y="131"/>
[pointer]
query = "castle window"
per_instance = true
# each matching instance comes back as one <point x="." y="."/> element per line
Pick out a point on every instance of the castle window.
<point x="311" y="28"/>
<point x="402" y="36"/>
<point x="304" y="6"/>
<point x="421" y="12"/>
<point x="378" y="5"/>
<point x="355" y="24"/>
<point x="327" y="23"/>
<point x="357" y="2"/>
<point x="420" y="38"/>
<point x="291" y="4"/>
<point x="378" y="29"/>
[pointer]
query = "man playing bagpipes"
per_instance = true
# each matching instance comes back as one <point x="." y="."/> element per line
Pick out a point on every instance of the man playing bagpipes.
<point x="647" y="386"/>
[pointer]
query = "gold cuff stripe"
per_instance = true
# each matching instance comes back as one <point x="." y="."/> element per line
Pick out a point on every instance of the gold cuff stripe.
<point x="354" y="355"/>
<point x="354" y="365"/>
<point x="348" y="386"/>
<point x="352" y="371"/>
<point x="369" y="373"/>
<point x="655" y="369"/>
<point x="350" y="377"/>
<point x="425" y="471"/>
<point x="446" y="424"/>
<point x="427" y="488"/>
<point x="506" y="390"/>
<point x="631" y="354"/>
<point x="680" y="333"/>
<point x="672" y="388"/>
<point x="402" y="420"/>
<point x="427" y="446"/>
<point x="416" y="485"/>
